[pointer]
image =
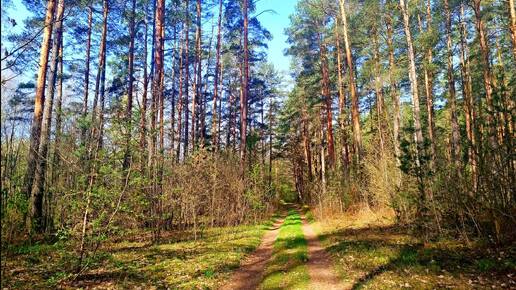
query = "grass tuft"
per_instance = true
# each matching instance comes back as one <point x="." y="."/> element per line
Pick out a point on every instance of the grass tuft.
<point x="287" y="268"/>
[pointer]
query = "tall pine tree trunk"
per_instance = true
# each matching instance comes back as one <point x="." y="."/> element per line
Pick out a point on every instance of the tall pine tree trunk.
<point x="157" y="104"/>
<point x="172" y="132"/>
<point x="214" y="132"/>
<point x="143" y="113"/>
<point x="469" y="103"/>
<point x="455" y="134"/>
<point x="87" y="73"/>
<point x="486" y="70"/>
<point x="180" y="104"/>
<point x="355" y="114"/>
<point x="306" y="143"/>
<point x="328" y="101"/>
<point x="429" y="90"/>
<point x="342" y="102"/>
<point x="187" y="79"/>
<point x="413" y="84"/>
<point x="38" y="186"/>
<point x="378" y="84"/>
<point x="394" y="91"/>
<point x="130" y="72"/>
<point x="197" y="83"/>
<point x="39" y="98"/>
<point x="244" y="92"/>
<point x="100" y="85"/>
<point x="512" y="27"/>
<point x="56" y="160"/>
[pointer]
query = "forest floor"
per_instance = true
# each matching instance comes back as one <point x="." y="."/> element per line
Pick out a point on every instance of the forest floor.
<point x="178" y="262"/>
<point x="370" y="251"/>
<point x="358" y="250"/>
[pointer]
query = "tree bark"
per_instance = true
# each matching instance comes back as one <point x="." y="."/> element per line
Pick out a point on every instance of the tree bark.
<point x="379" y="91"/>
<point x="102" y="97"/>
<point x="187" y="78"/>
<point x="306" y="144"/>
<point x="394" y="91"/>
<point x="243" y="95"/>
<point x="204" y="95"/>
<point x="328" y="101"/>
<point x="87" y="72"/>
<point x="180" y="101"/>
<point x="157" y="98"/>
<point x="197" y="83"/>
<point x="428" y="83"/>
<point x="214" y="132"/>
<point x="219" y="140"/>
<point x="38" y="190"/>
<point x="231" y="137"/>
<point x="173" y="95"/>
<point x="355" y="114"/>
<point x="467" y="91"/>
<point x="323" y="163"/>
<point x="39" y="98"/>
<point x="270" y="141"/>
<point x="161" y="102"/>
<point x="130" y="72"/>
<point x="56" y="160"/>
<point x="413" y="84"/>
<point x="512" y="27"/>
<point x="143" y="114"/>
<point x="486" y="70"/>
<point x="455" y="134"/>
<point x="342" y="102"/>
<point x="100" y="85"/>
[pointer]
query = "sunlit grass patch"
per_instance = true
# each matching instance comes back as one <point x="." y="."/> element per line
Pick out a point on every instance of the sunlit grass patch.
<point x="287" y="268"/>
<point x="371" y="254"/>
<point x="204" y="263"/>
<point x="178" y="263"/>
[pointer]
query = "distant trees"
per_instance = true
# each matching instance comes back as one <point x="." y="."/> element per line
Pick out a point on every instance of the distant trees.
<point x="427" y="167"/>
<point x="402" y="103"/>
<point x="102" y="147"/>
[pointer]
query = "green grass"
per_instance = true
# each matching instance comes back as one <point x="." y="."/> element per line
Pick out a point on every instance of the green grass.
<point x="202" y="264"/>
<point x="287" y="268"/>
<point x="370" y="256"/>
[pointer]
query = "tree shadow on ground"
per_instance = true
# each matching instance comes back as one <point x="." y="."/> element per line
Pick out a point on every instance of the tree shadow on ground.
<point x="218" y="253"/>
<point x="373" y="251"/>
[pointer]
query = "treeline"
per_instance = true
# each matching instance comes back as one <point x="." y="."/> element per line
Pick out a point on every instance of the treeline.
<point x="409" y="105"/>
<point x="145" y="115"/>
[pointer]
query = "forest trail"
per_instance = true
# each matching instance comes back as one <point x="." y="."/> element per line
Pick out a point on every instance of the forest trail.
<point x="320" y="268"/>
<point x="318" y="263"/>
<point x="250" y="273"/>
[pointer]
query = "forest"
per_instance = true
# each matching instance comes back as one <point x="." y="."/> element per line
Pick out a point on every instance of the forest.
<point x="156" y="144"/>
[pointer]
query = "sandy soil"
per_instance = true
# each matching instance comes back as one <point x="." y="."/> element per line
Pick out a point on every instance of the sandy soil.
<point x="250" y="273"/>
<point x="320" y="267"/>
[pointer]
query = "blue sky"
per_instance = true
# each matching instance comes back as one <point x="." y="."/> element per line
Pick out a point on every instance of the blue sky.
<point x="276" y="24"/>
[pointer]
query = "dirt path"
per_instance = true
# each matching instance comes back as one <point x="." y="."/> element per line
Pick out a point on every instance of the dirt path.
<point x="250" y="273"/>
<point x="320" y="267"/>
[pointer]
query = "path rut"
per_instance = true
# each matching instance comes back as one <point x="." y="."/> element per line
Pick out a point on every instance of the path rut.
<point x="250" y="273"/>
<point x="320" y="267"/>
